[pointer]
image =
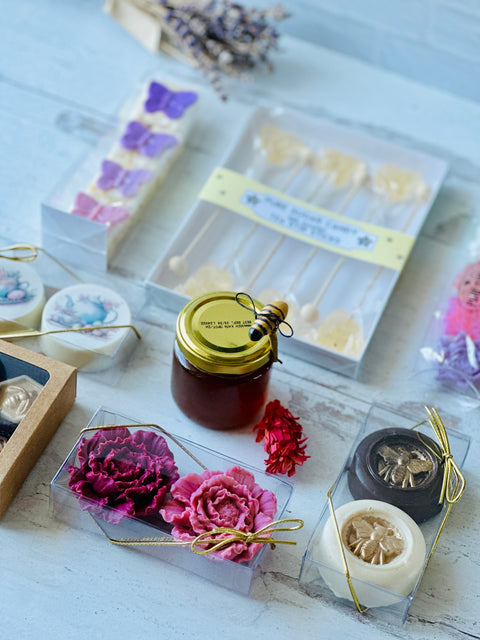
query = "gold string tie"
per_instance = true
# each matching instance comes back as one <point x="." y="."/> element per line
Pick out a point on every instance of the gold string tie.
<point x="261" y="536"/>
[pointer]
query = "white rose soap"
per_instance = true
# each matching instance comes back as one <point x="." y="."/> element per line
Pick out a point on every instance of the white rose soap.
<point x="21" y="294"/>
<point x="85" y="306"/>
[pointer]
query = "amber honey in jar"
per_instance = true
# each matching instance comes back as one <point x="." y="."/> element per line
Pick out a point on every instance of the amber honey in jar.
<point x="219" y="375"/>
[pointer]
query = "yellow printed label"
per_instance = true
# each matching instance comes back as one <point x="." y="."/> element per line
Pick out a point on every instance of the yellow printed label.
<point x="297" y="219"/>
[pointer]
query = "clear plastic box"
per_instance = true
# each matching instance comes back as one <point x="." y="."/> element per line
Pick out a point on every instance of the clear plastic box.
<point x="232" y="575"/>
<point x="107" y="215"/>
<point x="379" y="417"/>
<point x="266" y="262"/>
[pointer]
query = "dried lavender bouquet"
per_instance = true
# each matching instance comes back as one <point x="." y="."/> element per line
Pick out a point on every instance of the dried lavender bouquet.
<point x="218" y="36"/>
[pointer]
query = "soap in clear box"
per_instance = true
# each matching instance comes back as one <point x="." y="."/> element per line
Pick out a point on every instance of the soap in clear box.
<point x="316" y="576"/>
<point x="45" y="295"/>
<point x="227" y="573"/>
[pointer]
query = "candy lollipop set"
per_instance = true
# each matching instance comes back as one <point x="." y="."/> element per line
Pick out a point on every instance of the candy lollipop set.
<point x="316" y="202"/>
<point x="114" y="184"/>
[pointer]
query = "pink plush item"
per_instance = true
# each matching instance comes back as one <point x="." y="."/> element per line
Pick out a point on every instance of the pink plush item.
<point x="458" y="318"/>
<point x="201" y="503"/>
<point x="463" y="312"/>
<point x="122" y="475"/>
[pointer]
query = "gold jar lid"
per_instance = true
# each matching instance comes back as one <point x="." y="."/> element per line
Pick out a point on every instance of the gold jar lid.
<point x="212" y="333"/>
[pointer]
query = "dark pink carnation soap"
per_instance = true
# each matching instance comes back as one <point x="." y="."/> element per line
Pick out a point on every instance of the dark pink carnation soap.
<point x="121" y="474"/>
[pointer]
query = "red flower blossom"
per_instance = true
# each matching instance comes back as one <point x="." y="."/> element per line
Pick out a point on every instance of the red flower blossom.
<point x="283" y="439"/>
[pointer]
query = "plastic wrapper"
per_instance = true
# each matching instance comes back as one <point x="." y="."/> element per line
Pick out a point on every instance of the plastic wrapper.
<point x="450" y="353"/>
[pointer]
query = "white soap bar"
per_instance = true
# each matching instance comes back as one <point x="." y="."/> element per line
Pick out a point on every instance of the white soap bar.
<point x="21" y="294"/>
<point x="85" y="305"/>
<point x="386" y="548"/>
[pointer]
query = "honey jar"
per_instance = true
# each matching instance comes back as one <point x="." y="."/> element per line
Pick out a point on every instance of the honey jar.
<point x="220" y="376"/>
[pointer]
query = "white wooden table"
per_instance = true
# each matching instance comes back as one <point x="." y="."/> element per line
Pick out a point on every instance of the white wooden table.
<point x="64" y="69"/>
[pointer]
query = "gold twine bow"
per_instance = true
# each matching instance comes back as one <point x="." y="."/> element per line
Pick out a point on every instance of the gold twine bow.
<point x="24" y="252"/>
<point x="29" y="252"/>
<point x="453" y="487"/>
<point x="261" y="536"/>
<point x="453" y="484"/>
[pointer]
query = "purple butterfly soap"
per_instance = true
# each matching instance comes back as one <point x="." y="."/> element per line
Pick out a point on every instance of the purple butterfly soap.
<point x="128" y="182"/>
<point x="172" y="103"/>
<point x="139" y="138"/>
<point x="87" y="207"/>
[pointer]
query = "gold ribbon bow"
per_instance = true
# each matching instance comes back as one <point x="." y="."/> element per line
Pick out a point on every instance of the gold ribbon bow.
<point x="261" y="536"/>
<point x="453" y="486"/>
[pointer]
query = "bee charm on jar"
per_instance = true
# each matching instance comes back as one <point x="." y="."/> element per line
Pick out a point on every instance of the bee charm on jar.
<point x="220" y="373"/>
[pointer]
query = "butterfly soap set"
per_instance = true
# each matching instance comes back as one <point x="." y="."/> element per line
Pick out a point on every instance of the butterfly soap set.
<point x="93" y="210"/>
<point x="310" y="212"/>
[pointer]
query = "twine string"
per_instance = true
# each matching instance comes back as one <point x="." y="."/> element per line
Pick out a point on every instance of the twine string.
<point x="35" y="333"/>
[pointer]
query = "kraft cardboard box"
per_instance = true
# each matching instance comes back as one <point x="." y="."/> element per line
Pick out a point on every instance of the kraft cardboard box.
<point x="56" y="383"/>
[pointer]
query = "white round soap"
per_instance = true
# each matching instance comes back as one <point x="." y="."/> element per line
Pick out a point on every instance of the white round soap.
<point x="21" y="294"/>
<point x="85" y="305"/>
<point x="386" y="548"/>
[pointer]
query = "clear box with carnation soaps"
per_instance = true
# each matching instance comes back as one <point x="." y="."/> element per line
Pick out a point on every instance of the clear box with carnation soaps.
<point x="449" y="356"/>
<point x="137" y="485"/>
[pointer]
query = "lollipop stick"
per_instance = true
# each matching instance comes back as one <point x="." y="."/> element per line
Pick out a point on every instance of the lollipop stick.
<point x="380" y="270"/>
<point x="341" y="211"/>
<point x="293" y="175"/>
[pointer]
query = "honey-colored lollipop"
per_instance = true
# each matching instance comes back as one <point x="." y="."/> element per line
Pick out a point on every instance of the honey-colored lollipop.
<point x="338" y="324"/>
<point x="340" y="332"/>
<point x="274" y="149"/>
<point x="396" y="184"/>
<point x="399" y="185"/>
<point x="206" y="279"/>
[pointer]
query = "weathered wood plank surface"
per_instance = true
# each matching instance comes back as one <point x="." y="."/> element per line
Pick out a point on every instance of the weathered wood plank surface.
<point x="64" y="70"/>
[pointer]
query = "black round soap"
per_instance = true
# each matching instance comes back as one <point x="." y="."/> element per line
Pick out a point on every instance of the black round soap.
<point x="395" y="465"/>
